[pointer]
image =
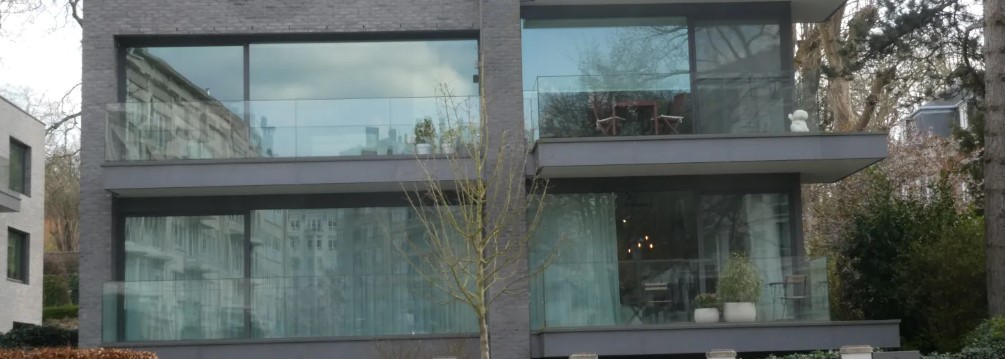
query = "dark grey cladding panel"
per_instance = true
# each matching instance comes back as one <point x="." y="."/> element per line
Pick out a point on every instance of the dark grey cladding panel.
<point x="816" y="157"/>
<point x="690" y="339"/>
<point x="187" y="178"/>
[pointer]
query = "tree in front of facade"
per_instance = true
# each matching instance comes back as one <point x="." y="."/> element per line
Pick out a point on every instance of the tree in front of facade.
<point x="478" y="223"/>
<point x="994" y="217"/>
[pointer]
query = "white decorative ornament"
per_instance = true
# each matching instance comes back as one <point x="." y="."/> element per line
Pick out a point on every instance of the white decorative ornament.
<point x="798" y="121"/>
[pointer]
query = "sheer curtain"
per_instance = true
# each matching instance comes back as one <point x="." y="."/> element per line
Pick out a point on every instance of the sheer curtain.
<point x="766" y="231"/>
<point x="580" y="287"/>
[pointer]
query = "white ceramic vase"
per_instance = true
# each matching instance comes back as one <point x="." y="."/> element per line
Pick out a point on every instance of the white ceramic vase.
<point x="447" y="148"/>
<point x="741" y="312"/>
<point x="424" y="149"/>
<point x="707" y="315"/>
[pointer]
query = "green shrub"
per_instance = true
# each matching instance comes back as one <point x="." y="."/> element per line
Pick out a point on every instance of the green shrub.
<point x="919" y="260"/>
<point x="814" y="355"/>
<point x="71" y="353"/>
<point x="739" y="280"/>
<point x="38" y="336"/>
<point x="55" y="291"/>
<point x="707" y="300"/>
<point x="74" y="289"/>
<point x="60" y="312"/>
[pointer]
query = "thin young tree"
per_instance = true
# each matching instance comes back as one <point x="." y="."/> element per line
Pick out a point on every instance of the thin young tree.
<point x="470" y="250"/>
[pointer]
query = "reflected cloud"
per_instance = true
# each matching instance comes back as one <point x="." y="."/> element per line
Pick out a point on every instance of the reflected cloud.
<point x="362" y="70"/>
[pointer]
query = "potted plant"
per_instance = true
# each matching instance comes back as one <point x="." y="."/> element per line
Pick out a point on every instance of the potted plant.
<point x="707" y="308"/>
<point x="739" y="288"/>
<point x="424" y="133"/>
<point x="448" y="140"/>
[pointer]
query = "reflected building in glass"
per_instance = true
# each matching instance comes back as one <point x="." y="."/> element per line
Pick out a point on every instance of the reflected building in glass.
<point x="245" y="171"/>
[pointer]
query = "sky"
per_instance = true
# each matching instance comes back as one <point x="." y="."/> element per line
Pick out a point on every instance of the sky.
<point x="40" y="52"/>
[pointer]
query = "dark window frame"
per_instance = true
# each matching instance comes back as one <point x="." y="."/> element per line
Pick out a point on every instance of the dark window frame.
<point x="25" y="239"/>
<point x="25" y="179"/>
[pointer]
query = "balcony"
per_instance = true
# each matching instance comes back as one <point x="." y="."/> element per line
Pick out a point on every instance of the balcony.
<point x="274" y="147"/>
<point x="687" y="124"/>
<point x="9" y="201"/>
<point x="624" y="302"/>
<point x="278" y="308"/>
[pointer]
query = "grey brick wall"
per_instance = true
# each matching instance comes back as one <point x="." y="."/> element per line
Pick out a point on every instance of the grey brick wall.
<point x="500" y="43"/>
<point x="500" y="48"/>
<point x="22" y="302"/>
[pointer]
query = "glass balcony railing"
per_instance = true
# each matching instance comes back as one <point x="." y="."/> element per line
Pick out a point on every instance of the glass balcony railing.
<point x="664" y="104"/>
<point x="139" y="131"/>
<point x="663" y="292"/>
<point x="287" y="307"/>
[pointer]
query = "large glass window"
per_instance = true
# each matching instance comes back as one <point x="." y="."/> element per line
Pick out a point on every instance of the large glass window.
<point x="642" y="257"/>
<point x="312" y="273"/>
<point x="17" y="255"/>
<point x="297" y="100"/>
<point x="183" y="278"/>
<point x="181" y="103"/>
<point x="580" y="72"/>
<point x="355" y="98"/>
<point x="660" y="75"/>
<point x="20" y="167"/>
<point x="343" y="273"/>
<point x="739" y="87"/>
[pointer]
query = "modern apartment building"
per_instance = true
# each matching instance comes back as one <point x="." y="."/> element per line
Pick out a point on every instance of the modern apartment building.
<point x="22" y="205"/>
<point x="243" y="163"/>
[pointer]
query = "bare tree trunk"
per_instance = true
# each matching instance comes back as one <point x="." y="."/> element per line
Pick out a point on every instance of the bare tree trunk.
<point x="484" y="335"/>
<point x="838" y="92"/>
<point x="994" y="79"/>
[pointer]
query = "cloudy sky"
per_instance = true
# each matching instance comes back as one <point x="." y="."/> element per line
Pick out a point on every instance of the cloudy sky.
<point x="40" y="52"/>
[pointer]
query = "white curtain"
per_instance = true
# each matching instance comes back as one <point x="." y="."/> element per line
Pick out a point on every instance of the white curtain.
<point x="764" y="225"/>
<point x="580" y="287"/>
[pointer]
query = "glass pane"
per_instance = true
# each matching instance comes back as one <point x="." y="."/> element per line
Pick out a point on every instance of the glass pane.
<point x="183" y="103"/>
<point x="739" y="63"/>
<point x="356" y="70"/>
<point x="341" y="272"/>
<point x="19" y="167"/>
<point x="183" y="278"/>
<point x="578" y="73"/>
<point x="16" y="243"/>
<point x="638" y="258"/>
<point x="756" y="225"/>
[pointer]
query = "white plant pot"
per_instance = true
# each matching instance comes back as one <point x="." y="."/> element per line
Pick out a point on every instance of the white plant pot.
<point x="447" y="148"/>
<point x="424" y="149"/>
<point x="739" y="312"/>
<point x="707" y="315"/>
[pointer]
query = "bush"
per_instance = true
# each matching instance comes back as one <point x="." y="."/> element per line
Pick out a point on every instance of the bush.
<point x="60" y="312"/>
<point x="814" y="355"/>
<point x="984" y="342"/>
<point x="55" y="291"/>
<point x="919" y="260"/>
<point x="74" y="289"/>
<point x="70" y="353"/>
<point x="38" y="336"/>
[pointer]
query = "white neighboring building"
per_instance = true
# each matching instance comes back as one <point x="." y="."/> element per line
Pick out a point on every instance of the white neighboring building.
<point x="22" y="205"/>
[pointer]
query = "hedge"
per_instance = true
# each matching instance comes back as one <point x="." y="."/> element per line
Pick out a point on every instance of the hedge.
<point x="60" y="312"/>
<point x="71" y="353"/>
<point x="55" y="290"/>
<point x="38" y="336"/>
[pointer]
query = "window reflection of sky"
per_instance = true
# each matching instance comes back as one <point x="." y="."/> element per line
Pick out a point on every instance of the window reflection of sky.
<point x="330" y="98"/>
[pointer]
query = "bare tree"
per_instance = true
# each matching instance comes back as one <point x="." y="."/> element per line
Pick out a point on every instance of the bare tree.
<point x="470" y="251"/>
<point x="994" y="78"/>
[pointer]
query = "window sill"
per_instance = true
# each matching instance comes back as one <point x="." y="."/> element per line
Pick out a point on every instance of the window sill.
<point x="18" y="281"/>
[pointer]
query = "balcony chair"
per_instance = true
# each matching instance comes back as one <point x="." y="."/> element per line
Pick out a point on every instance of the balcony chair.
<point x="794" y="295"/>
<point x="607" y="125"/>
<point x="674" y="117"/>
